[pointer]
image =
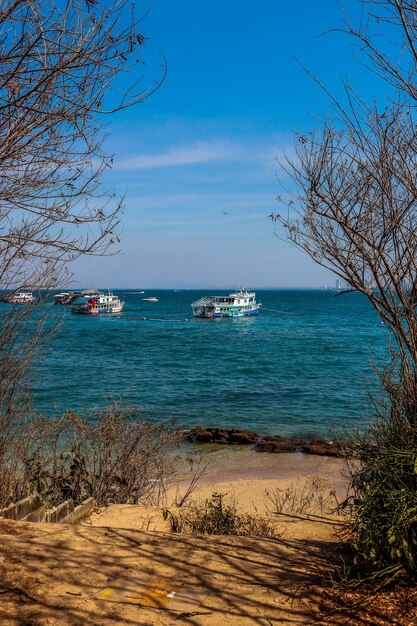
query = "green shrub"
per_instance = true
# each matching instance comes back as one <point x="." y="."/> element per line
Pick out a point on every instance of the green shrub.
<point x="382" y="520"/>
<point x="216" y="517"/>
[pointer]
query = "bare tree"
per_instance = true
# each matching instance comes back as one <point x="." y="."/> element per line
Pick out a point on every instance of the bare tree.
<point x="354" y="204"/>
<point x="64" y="65"/>
<point x="355" y="211"/>
<point x="352" y="208"/>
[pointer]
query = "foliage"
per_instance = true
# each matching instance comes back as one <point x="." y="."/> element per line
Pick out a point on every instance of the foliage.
<point x="216" y="517"/>
<point x="382" y="522"/>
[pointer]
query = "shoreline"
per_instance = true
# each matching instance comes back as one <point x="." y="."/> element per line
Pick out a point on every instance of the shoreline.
<point x="248" y="481"/>
<point x="209" y="435"/>
<point x="231" y="463"/>
<point x="246" y="476"/>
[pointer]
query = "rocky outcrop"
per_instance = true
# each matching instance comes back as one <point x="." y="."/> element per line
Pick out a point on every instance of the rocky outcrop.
<point x="325" y="448"/>
<point x="267" y="443"/>
<point x="275" y="443"/>
<point x="227" y="436"/>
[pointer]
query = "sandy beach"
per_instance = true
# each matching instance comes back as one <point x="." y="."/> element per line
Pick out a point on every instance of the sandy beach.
<point x="54" y="574"/>
<point x="248" y="481"/>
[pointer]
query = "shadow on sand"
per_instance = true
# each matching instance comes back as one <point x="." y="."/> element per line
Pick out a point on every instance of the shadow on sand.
<point x="52" y="575"/>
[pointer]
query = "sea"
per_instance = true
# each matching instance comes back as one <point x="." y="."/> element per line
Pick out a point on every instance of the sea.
<point x="303" y="366"/>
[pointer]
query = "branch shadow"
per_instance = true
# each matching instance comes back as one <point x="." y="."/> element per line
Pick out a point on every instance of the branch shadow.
<point x="52" y="574"/>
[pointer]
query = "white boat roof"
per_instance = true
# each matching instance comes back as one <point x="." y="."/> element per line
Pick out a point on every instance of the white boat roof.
<point x="243" y="293"/>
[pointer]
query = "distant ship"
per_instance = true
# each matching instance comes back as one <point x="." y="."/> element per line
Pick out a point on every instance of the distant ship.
<point x="241" y="303"/>
<point x="150" y="299"/>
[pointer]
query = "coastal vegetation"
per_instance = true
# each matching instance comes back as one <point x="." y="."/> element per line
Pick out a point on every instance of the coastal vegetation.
<point x="61" y="67"/>
<point x="353" y="209"/>
<point x="314" y="496"/>
<point x="114" y="456"/>
<point x="217" y="516"/>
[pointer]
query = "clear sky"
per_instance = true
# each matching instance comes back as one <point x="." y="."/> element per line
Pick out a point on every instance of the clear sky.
<point x="197" y="159"/>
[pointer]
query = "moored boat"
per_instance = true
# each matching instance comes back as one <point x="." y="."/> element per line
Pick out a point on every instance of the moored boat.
<point x="96" y="304"/>
<point x="241" y="303"/>
<point x="63" y="298"/>
<point x="69" y="297"/>
<point x="20" y="297"/>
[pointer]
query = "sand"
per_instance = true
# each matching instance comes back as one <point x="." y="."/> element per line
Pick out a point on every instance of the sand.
<point x="54" y="574"/>
<point x="248" y="481"/>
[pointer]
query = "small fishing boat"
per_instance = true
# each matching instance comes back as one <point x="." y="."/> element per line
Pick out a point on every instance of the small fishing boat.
<point x="241" y="303"/>
<point x="97" y="304"/>
<point x="20" y="297"/>
<point x="150" y="299"/>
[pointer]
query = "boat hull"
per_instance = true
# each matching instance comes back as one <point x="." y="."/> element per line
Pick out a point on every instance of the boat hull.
<point x="22" y="297"/>
<point x="251" y="313"/>
<point x="97" y="310"/>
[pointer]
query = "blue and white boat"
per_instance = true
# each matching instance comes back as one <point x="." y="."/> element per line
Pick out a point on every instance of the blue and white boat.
<point x="241" y="303"/>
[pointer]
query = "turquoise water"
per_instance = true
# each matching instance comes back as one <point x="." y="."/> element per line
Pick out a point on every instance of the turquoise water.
<point x="301" y="367"/>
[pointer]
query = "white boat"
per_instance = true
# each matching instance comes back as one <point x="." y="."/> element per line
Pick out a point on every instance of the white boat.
<point x="20" y="297"/>
<point x="97" y="304"/>
<point x="150" y="299"/>
<point x="241" y="303"/>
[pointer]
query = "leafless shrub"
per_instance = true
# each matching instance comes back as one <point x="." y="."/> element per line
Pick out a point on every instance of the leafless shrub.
<point x="311" y="496"/>
<point x="114" y="456"/>
<point x="21" y="333"/>
<point x="197" y="468"/>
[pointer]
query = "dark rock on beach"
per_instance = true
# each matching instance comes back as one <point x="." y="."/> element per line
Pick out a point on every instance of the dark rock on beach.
<point x="325" y="448"/>
<point x="267" y="443"/>
<point x="314" y="446"/>
<point x="275" y="443"/>
<point x="225" y="436"/>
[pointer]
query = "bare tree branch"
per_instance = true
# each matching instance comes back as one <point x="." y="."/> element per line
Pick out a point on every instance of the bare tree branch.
<point x="63" y="66"/>
<point x="353" y="204"/>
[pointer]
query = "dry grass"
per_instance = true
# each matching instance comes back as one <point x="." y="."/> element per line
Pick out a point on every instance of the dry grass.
<point x="312" y="496"/>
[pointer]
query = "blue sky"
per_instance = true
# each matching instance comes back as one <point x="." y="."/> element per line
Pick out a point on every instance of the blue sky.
<point x="197" y="159"/>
